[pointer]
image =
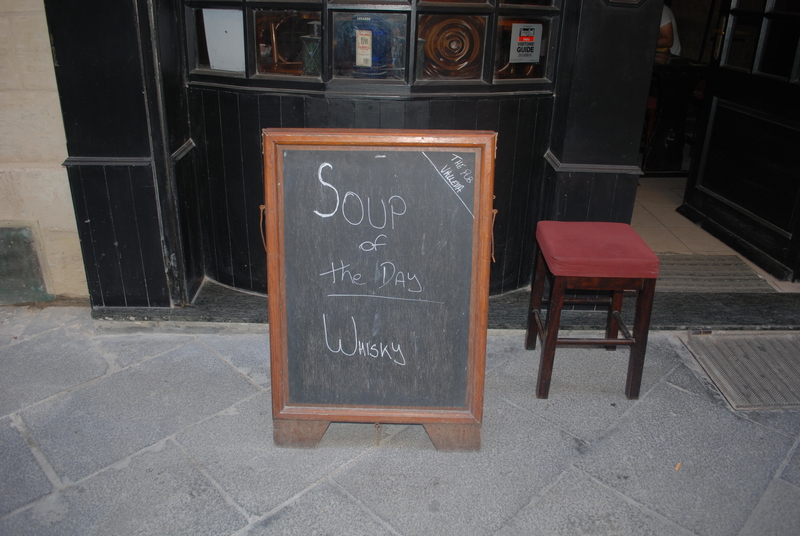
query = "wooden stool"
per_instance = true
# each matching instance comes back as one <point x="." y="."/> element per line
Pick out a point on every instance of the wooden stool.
<point x="592" y="256"/>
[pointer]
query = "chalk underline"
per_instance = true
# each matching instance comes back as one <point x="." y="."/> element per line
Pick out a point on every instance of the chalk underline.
<point x="382" y="298"/>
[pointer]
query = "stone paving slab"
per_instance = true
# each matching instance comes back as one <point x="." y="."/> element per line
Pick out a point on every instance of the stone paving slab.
<point x="579" y="375"/>
<point x="157" y="492"/>
<point x="723" y="459"/>
<point x="460" y="493"/>
<point x="777" y="513"/>
<point x="52" y="362"/>
<point x="103" y="422"/>
<point x="579" y="504"/>
<point x="171" y="433"/>
<point x="329" y="506"/>
<point x="126" y="350"/>
<point x="13" y="321"/>
<point x="237" y="451"/>
<point x="21" y="478"/>
<point x="247" y="352"/>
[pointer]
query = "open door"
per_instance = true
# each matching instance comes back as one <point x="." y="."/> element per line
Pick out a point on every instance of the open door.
<point x="745" y="185"/>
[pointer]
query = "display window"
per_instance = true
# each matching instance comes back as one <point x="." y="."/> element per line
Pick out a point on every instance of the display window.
<point x="522" y="46"/>
<point x="422" y="45"/>
<point x="451" y="46"/>
<point x="288" y="42"/>
<point x="369" y="45"/>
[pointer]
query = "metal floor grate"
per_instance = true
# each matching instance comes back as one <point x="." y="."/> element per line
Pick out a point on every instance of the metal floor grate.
<point x="752" y="370"/>
<point x="708" y="273"/>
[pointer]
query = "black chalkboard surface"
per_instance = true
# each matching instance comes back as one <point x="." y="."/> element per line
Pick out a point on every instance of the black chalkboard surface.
<point x="378" y="255"/>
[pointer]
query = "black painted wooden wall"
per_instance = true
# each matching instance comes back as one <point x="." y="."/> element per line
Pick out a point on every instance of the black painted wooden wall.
<point x="167" y="179"/>
<point x="227" y="126"/>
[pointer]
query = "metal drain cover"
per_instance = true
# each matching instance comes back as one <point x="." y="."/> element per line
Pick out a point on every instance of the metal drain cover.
<point x="752" y="370"/>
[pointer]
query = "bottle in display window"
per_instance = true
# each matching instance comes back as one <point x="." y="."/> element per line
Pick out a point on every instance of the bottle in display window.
<point x="369" y="45"/>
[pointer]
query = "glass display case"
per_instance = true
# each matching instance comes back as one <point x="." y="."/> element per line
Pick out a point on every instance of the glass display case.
<point x="369" y="45"/>
<point x="419" y="45"/>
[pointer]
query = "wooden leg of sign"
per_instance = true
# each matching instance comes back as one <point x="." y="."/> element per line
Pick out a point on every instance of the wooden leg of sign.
<point x="298" y="433"/>
<point x="455" y="437"/>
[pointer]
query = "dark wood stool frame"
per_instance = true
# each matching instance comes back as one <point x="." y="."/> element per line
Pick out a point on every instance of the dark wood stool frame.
<point x="548" y="331"/>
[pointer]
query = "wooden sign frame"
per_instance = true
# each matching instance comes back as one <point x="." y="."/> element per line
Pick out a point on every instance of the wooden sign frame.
<point x="302" y="425"/>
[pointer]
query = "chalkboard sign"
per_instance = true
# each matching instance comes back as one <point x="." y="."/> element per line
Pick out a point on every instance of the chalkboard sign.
<point x="378" y="246"/>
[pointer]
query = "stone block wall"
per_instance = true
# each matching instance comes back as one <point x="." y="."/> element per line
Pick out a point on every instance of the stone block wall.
<point x="34" y="189"/>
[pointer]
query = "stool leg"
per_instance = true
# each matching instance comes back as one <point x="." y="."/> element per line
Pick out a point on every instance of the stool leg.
<point x="537" y="290"/>
<point x="641" y="328"/>
<point x="612" y="326"/>
<point x="551" y="337"/>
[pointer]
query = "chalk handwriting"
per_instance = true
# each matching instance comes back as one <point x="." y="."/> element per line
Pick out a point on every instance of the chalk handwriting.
<point x="450" y="177"/>
<point x="342" y="274"/>
<point x="450" y="183"/>
<point x="374" y="245"/>
<point x="364" y="348"/>
<point x="355" y="211"/>
<point x="388" y="274"/>
<point x="464" y="170"/>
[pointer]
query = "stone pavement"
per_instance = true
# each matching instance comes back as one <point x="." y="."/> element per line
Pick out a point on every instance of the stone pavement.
<point x="131" y="428"/>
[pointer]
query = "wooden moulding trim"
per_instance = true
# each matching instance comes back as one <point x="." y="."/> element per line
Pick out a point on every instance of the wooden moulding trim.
<point x="563" y="167"/>
<point x="107" y="161"/>
<point x="385" y="414"/>
<point x="484" y="142"/>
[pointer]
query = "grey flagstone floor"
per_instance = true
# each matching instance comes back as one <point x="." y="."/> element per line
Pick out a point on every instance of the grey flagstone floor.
<point x="137" y="428"/>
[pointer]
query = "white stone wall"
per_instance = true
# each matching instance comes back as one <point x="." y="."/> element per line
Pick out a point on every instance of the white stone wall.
<point x="33" y="184"/>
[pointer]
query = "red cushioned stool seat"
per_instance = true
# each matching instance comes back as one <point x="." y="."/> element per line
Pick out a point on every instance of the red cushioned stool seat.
<point x="597" y="256"/>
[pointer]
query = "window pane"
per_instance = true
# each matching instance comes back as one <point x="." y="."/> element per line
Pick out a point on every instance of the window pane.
<point x="452" y="46"/>
<point x="369" y="45"/>
<point x="743" y="42"/>
<point x="289" y="42"/>
<point x="787" y="6"/>
<point x="752" y="5"/>
<point x="780" y="47"/>
<point x="220" y="39"/>
<point x="457" y="1"/>
<point x="529" y="2"/>
<point x="521" y="48"/>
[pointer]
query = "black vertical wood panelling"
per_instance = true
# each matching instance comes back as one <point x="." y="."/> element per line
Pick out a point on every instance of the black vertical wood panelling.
<point x="119" y="228"/>
<point x="465" y="114"/>
<point x="230" y="113"/>
<point x="517" y="263"/>
<point x="197" y="111"/>
<point x="293" y="113"/>
<point x="601" y="202"/>
<point x="317" y="114"/>
<point x="84" y="223"/>
<point x="342" y="113"/>
<point x="269" y="111"/>
<point x="169" y="21"/>
<point x="441" y="115"/>
<point x="417" y="114"/>
<point x="544" y="113"/>
<point x="144" y="203"/>
<point x="95" y="192"/>
<point x="231" y="168"/>
<point x="98" y="69"/>
<point x="391" y="114"/>
<point x="367" y="113"/>
<point x="126" y="230"/>
<point x="504" y="188"/>
<point x="624" y="197"/>
<point x="217" y="189"/>
<point x="187" y="181"/>
<point x="253" y="192"/>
